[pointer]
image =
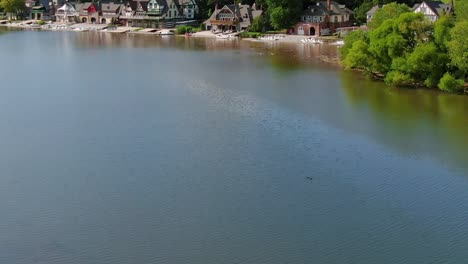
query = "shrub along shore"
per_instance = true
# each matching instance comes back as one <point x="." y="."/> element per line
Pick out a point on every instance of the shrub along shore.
<point x="405" y="49"/>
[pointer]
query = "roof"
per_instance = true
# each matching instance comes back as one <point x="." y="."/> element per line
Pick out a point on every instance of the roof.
<point x="144" y="5"/>
<point x="110" y="7"/>
<point x="164" y="4"/>
<point x="321" y="9"/>
<point x="67" y="9"/>
<point x="438" y="7"/>
<point x="374" y="9"/>
<point x="83" y="7"/>
<point x="128" y="7"/>
<point x="244" y="14"/>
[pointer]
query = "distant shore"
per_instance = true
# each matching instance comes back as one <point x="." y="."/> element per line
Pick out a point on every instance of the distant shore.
<point x="82" y="27"/>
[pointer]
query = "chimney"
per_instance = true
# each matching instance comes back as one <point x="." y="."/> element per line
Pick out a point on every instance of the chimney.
<point x="329" y="6"/>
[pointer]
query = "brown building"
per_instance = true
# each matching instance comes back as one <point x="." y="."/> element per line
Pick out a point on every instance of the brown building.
<point x="323" y="18"/>
<point x="232" y="17"/>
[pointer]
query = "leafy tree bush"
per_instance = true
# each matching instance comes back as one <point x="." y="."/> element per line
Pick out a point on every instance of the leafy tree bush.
<point x="182" y="29"/>
<point x="250" y="34"/>
<point x="458" y="47"/>
<point x="448" y="83"/>
<point x="389" y="11"/>
<point x="410" y="50"/>
<point x="259" y="24"/>
<point x="351" y="38"/>
<point x="284" y="13"/>
<point x="14" y="7"/>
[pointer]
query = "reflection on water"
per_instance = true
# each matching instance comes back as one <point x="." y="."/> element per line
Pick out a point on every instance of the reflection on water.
<point x="403" y="119"/>
<point x="418" y="122"/>
<point x="406" y="120"/>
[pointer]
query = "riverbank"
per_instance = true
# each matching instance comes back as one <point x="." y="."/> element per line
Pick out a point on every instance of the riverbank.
<point x="56" y="26"/>
<point x="82" y="27"/>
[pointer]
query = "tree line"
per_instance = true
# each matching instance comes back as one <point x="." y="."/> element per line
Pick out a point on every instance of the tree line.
<point x="405" y="49"/>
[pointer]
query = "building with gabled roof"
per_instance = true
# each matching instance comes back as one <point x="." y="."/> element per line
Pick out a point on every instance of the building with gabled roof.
<point x="232" y="17"/>
<point x="66" y="13"/>
<point x="323" y="18"/>
<point x="110" y="12"/>
<point x="88" y="12"/>
<point x="432" y="10"/>
<point x="371" y="13"/>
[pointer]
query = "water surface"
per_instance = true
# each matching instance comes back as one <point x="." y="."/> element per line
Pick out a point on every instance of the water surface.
<point x="138" y="149"/>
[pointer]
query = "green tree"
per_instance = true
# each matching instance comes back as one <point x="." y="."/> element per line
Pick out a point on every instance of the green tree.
<point x="259" y="24"/>
<point x="389" y="11"/>
<point x="14" y="7"/>
<point x="427" y="63"/>
<point x="449" y="83"/>
<point x="361" y="11"/>
<point x="442" y="29"/>
<point x="359" y="57"/>
<point x="458" y="47"/>
<point x="461" y="9"/>
<point x="284" y="13"/>
<point x="406" y="50"/>
<point x="351" y="38"/>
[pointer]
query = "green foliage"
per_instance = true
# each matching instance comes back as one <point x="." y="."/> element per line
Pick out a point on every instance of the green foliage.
<point x="361" y="11"/>
<point x="284" y="13"/>
<point x="461" y="10"/>
<point x="351" y="38"/>
<point x="442" y="30"/>
<point x="448" y="83"/>
<point x="389" y="11"/>
<point x="399" y="78"/>
<point x="427" y="63"/>
<point x="12" y="6"/>
<point x="250" y="34"/>
<point x="359" y="56"/>
<point x="259" y="24"/>
<point x="408" y="50"/>
<point x="458" y="47"/>
<point x="182" y="29"/>
<point x="41" y="22"/>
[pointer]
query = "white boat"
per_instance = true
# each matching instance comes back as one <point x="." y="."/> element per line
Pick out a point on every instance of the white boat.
<point x="166" y="32"/>
<point x="315" y="41"/>
<point x="223" y="36"/>
<point x="339" y="43"/>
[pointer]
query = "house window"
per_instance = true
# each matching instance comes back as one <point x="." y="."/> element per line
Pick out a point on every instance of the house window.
<point x="422" y="9"/>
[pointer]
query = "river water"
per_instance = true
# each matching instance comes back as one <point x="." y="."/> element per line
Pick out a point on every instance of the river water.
<point x="138" y="149"/>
